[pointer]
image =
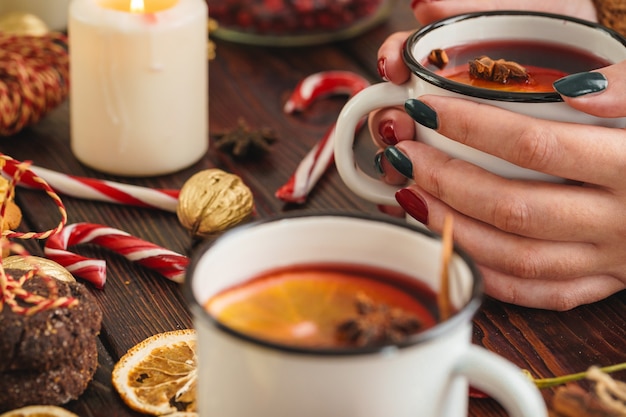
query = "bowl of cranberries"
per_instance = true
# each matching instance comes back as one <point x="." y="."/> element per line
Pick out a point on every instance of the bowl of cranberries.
<point x="295" y="22"/>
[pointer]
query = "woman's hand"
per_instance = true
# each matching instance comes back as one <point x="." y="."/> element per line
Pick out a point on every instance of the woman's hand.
<point x="543" y="245"/>
<point x="388" y="126"/>
<point x="538" y="245"/>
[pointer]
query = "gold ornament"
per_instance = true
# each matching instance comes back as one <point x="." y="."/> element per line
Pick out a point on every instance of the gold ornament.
<point x="46" y="266"/>
<point x="19" y="23"/>
<point x="211" y="201"/>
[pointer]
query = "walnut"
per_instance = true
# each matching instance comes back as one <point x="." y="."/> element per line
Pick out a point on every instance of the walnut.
<point x="212" y="201"/>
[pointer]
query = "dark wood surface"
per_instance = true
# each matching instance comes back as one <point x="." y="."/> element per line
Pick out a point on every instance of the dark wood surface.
<point x="253" y="83"/>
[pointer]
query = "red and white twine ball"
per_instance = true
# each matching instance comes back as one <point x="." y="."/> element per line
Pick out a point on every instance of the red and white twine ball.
<point x="34" y="78"/>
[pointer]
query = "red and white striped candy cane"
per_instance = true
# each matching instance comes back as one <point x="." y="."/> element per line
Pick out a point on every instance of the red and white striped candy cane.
<point x="321" y="85"/>
<point x="167" y="263"/>
<point x="98" y="190"/>
<point x="320" y="157"/>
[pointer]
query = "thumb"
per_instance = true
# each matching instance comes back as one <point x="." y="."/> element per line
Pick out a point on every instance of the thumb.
<point x="599" y="93"/>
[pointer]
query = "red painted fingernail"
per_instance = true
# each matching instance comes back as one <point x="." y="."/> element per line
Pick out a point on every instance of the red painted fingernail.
<point x="413" y="204"/>
<point x="380" y="66"/>
<point x="387" y="132"/>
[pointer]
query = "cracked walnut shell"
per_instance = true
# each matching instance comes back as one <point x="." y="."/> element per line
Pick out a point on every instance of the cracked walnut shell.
<point x="212" y="201"/>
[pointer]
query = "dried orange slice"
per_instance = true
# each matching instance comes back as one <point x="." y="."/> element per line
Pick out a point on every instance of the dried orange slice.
<point x="158" y="376"/>
<point x="39" y="411"/>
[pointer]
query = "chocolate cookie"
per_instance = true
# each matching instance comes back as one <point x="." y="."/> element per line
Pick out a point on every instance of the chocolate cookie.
<point x="48" y="357"/>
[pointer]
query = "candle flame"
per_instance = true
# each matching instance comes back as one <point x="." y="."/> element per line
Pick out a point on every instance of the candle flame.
<point x="137" y="6"/>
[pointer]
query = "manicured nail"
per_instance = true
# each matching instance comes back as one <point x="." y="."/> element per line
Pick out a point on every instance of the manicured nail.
<point x="387" y="132"/>
<point x="378" y="164"/>
<point x="381" y="67"/>
<point x="576" y="85"/>
<point x="399" y="161"/>
<point x="413" y="204"/>
<point x="421" y="113"/>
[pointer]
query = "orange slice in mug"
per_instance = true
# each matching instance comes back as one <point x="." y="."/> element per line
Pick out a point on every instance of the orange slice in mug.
<point x="303" y="306"/>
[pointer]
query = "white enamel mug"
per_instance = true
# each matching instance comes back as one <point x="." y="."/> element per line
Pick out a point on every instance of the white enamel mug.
<point x="425" y="376"/>
<point x="467" y="29"/>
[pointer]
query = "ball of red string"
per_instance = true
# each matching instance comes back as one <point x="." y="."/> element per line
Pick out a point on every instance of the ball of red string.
<point x="34" y="78"/>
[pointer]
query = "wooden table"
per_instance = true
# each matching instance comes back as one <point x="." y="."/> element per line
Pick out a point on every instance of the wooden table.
<point x="253" y="83"/>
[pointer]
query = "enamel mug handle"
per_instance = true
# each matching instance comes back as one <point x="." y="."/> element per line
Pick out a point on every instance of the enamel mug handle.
<point x="503" y="381"/>
<point x="371" y="98"/>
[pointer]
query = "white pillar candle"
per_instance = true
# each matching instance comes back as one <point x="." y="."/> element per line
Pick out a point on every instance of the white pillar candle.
<point x="139" y="84"/>
<point x="52" y="12"/>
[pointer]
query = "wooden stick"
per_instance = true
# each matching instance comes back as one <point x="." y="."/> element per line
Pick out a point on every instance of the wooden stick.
<point x="445" y="310"/>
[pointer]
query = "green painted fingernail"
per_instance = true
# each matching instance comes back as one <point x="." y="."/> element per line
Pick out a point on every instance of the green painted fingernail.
<point x="421" y="113"/>
<point x="576" y="85"/>
<point x="399" y="161"/>
<point x="378" y="164"/>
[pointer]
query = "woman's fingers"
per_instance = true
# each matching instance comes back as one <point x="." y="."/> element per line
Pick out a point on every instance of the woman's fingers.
<point x="386" y="171"/>
<point x="429" y="11"/>
<point x="519" y="255"/>
<point x="390" y="125"/>
<point x="391" y="66"/>
<point x="533" y="209"/>
<point x="523" y="271"/>
<point x="600" y="93"/>
<point x="555" y="148"/>
<point x="548" y="294"/>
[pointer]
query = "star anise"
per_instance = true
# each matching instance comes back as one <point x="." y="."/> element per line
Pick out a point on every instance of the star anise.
<point x="499" y="71"/>
<point x="244" y="142"/>
<point x="377" y="324"/>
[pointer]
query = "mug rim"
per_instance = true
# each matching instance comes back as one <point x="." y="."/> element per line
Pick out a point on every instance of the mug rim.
<point x="459" y="318"/>
<point x="467" y="90"/>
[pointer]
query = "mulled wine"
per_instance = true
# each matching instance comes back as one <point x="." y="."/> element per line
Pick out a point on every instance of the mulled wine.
<point x="327" y="306"/>
<point x="544" y="63"/>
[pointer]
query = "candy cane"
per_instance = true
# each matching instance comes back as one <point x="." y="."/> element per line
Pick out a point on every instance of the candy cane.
<point x="99" y="190"/>
<point x="321" y="85"/>
<point x="167" y="263"/>
<point x="319" y="158"/>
